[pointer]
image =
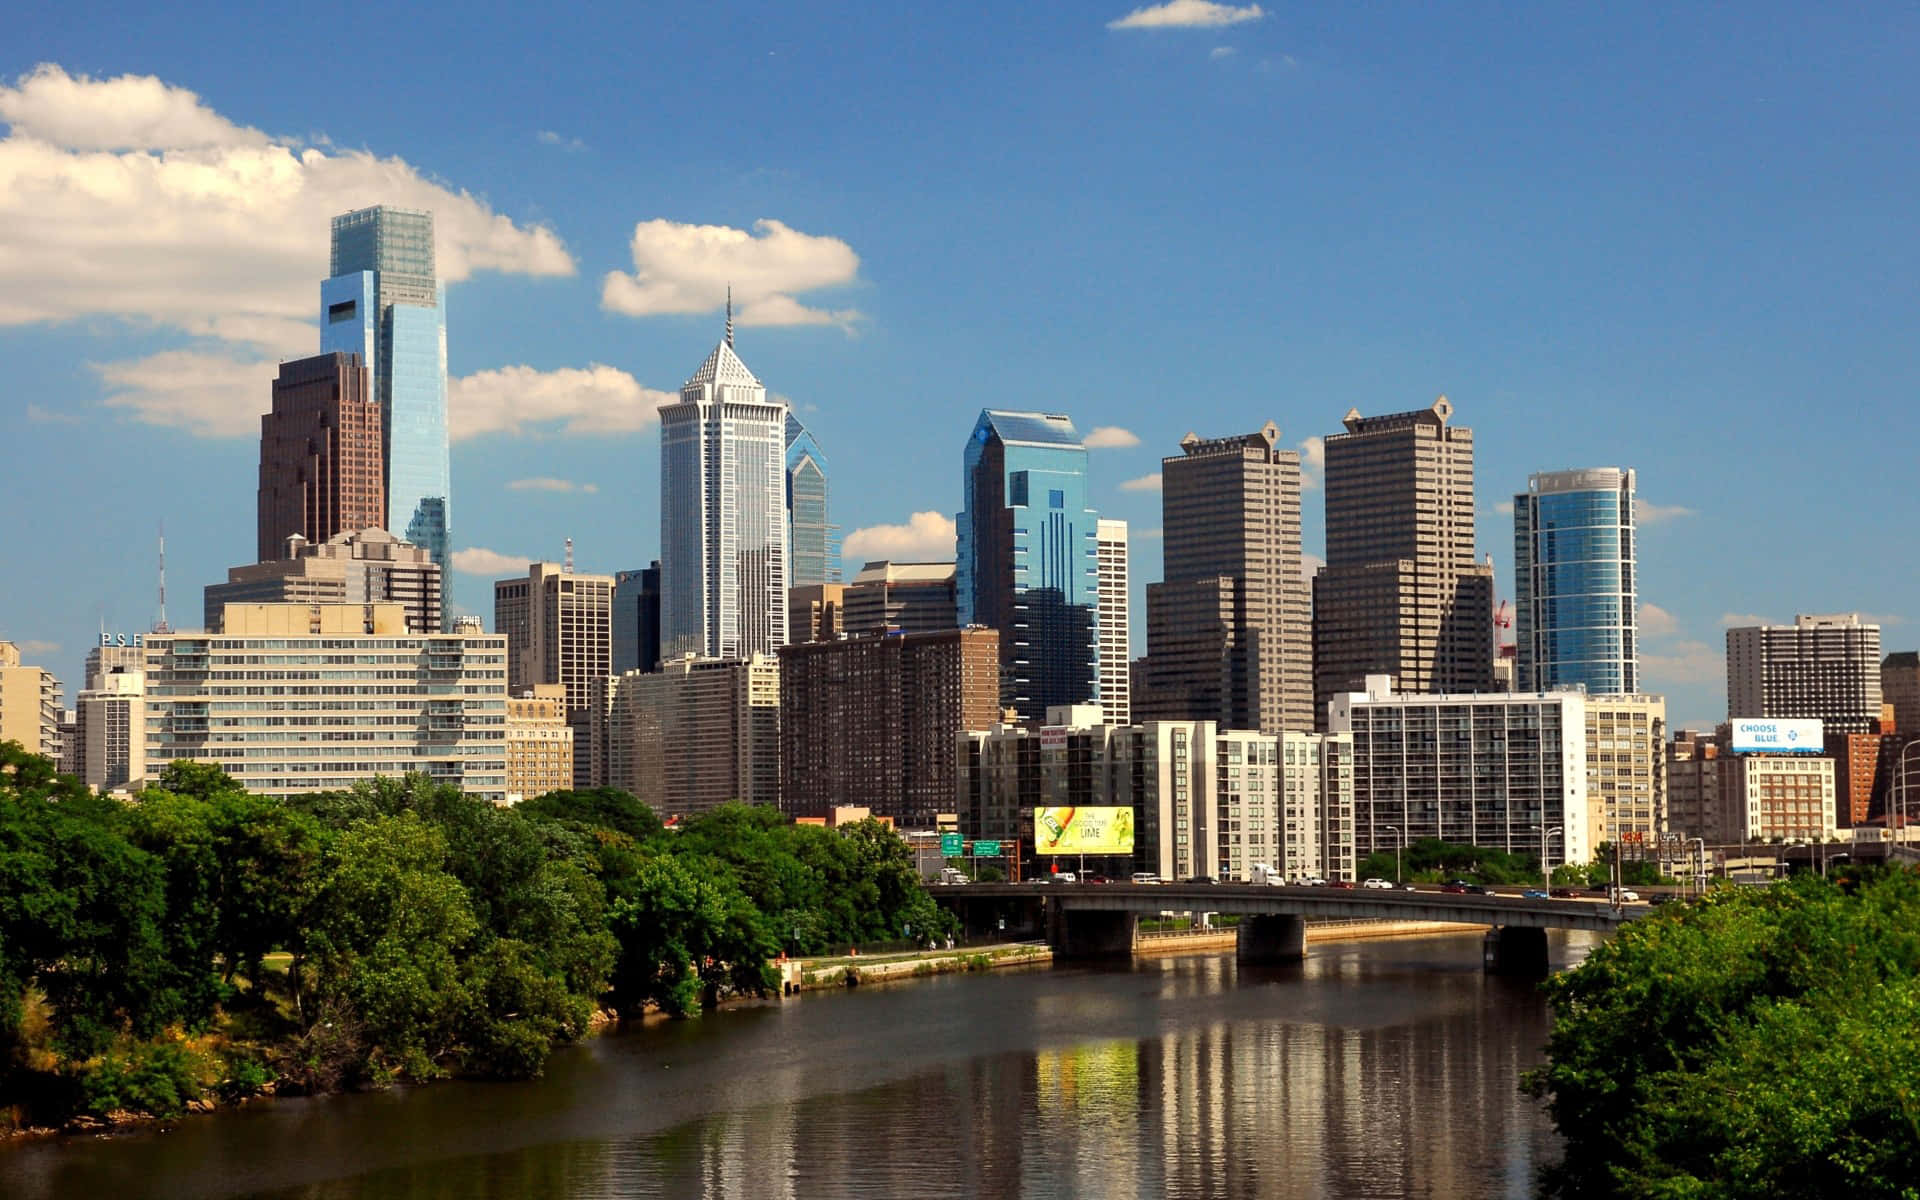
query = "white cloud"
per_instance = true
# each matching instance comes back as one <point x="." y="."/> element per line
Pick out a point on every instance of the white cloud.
<point x="1687" y="663"/>
<point x="1187" y="14"/>
<point x="1310" y="565"/>
<point x="543" y="483"/>
<point x="1732" y="620"/>
<point x="36" y="646"/>
<point x="927" y="536"/>
<point x="1219" y="52"/>
<point x="207" y="394"/>
<point x="1648" y="513"/>
<point x="477" y="560"/>
<point x="547" y="137"/>
<point x="130" y="198"/>
<point x="1146" y="483"/>
<point x="1313" y="461"/>
<point x="681" y="268"/>
<point x="1111" y="437"/>
<point x="1656" y="621"/>
<point x="1503" y="507"/>
<point x="579" y="400"/>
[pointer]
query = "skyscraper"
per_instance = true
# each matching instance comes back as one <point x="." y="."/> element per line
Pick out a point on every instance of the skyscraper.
<point x="1824" y="667"/>
<point x="913" y="597"/>
<point x="1112" y="615"/>
<point x="1573" y="554"/>
<point x="559" y="629"/>
<point x="723" y="514"/>
<point x="370" y="566"/>
<point x="1229" y="634"/>
<point x="1401" y="594"/>
<point x="636" y="619"/>
<point x="320" y="453"/>
<point x="384" y="303"/>
<point x="815" y="543"/>
<point x="1028" y="556"/>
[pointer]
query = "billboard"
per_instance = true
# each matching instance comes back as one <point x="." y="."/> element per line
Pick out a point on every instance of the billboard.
<point x="1083" y="830"/>
<point x="1767" y="735"/>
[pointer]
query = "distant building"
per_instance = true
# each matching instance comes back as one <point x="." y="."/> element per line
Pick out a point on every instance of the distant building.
<point x="30" y="708"/>
<point x="559" y="629"/>
<point x="320" y="449"/>
<point x="912" y="597"/>
<point x="696" y="734"/>
<point x="1693" y="787"/>
<point x="871" y="720"/>
<point x="333" y="694"/>
<point x="1028" y="556"/>
<point x="1824" y="667"/>
<point x="1900" y="687"/>
<point x="111" y="720"/>
<point x="539" y="743"/>
<point x="814" y="540"/>
<point x="1626" y="739"/>
<point x="1113" y="621"/>
<point x="72" y="758"/>
<point x="636" y="619"/>
<point x="816" y="612"/>
<point x="1574" y="581"/>
<point x="1768" y="797"/>
<point x="111" y="656"/>
<point x="367" y="566"/>
<point x="1402" y="593"/>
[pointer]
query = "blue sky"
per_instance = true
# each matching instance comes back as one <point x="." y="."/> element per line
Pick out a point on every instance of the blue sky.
<point x="1677" y="241"/>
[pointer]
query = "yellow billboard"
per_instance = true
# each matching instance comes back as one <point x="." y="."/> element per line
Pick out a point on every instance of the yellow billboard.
<point x="1083" y="830"/>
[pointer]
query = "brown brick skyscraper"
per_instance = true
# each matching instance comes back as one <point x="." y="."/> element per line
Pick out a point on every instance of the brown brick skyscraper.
<point x="320" y="454"/>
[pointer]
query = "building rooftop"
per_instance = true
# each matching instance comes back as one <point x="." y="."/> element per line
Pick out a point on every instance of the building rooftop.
<point x="888" y="571"/>
<point x="1032" y="428"/>
<point x="723" y="368"/>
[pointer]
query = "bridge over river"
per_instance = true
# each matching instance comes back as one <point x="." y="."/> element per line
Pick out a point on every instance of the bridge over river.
<point x="1098" y="920"/>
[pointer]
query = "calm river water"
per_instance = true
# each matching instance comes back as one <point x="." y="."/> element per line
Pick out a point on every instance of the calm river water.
<point x="1380" y="1069"/>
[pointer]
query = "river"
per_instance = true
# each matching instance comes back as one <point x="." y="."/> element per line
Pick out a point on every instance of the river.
<point x="1375" y="1069"/>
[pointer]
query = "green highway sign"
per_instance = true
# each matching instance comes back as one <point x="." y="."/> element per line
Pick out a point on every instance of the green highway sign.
<point x="990" y="849"/>
<point x="949" y="845"/>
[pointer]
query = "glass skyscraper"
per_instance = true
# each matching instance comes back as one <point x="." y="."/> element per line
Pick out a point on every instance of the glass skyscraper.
<point x="384" y="303"/>
<point x="1573" y="558"/>
<point x="814" y="541"/>
<point x="1028" y="559"/>
<point x="723" y="514"/>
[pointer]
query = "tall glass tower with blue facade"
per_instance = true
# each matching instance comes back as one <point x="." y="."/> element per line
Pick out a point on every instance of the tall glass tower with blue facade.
<point x="383" y="302"/>
<point x="1573" y="560"/>
<point x="1028" y="557"/>
<point x="814" y="540"/>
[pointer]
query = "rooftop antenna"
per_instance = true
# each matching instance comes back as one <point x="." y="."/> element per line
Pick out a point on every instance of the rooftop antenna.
<point x="569" y="556"/>
<point x="729" y="316"/>
<point x="160" y="623"/>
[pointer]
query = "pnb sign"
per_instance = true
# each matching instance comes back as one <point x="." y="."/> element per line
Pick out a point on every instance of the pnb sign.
<point x="1753" y="735"/>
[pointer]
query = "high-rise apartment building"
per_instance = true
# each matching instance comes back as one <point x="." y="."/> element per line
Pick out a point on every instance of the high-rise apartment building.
<point x="1626" y="781"/>
<point x="912" y="597"/>
<point x="1402" y="593"/>
<point x="320" y="454"/>
<point x="1229" y="631"/>
<point x="1113" y="616"/>
<point x="296" y="698"/>
<point x="636" y="619"/>
<point x="871" y="720"/>
<point x="816" y="612"/>
<point x="1574" y="581"/>
<point x="370" y="566"/>
<point x="382" y="301"/>
<point x="559" y="629"/>
<point x="30" y="708"/>
<point x="111" y="723"/>
<point x="1028" y="557"/>
<point x="724" y="558"/>
<point x="696" y="734"/>
<point x="1693" y="787"/>
<point x="1824" y="667"/>
<point x="1900" y="687"/>
<point x="813" y="540"/>
<point x="539" y="743"/>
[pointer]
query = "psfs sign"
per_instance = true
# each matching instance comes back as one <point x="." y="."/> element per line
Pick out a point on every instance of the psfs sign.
<point x="123" y="639"/>
<point x="1755" y="735"/>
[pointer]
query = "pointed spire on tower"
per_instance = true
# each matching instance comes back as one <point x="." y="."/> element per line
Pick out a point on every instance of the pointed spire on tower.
<point x="729" y="315"/>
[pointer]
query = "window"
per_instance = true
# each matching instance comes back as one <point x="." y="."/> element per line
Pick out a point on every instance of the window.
<point x="1056" y="498"/>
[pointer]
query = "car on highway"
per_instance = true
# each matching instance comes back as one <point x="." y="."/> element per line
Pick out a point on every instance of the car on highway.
<point x="1626" y="896"/>
<point x="1458" y="887"/>
<point x="1564" y="893"/>
<point x="1066" y="877"/>
<point x="1533" y="894"/>
<point x="1378" y="884"/>
<point x="1342" y="883"/>
<point x="1314" y="881"/>
<point x="1145" y="877"/>
<point x="1201" y="879"/>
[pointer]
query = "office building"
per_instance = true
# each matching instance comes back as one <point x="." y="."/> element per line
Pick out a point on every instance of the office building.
<point x="636" y="619"/>
<point x="382" y="301"/>
<point x="1113" y="616"/>
<point x="912" y="597"/>
<point x="816" y="612"/>
<point x="1824" y="667"/>
<point x="297" y="698"/>
<point x="1626" y="740"/>
<point x="1693" y="787"/>
<point x="1497" y="770"/>
<point x="813" y="541"/>
<point x="559" y="629"/>
<point x="111" y="723"/>
<point x="72" y="757"/>
<point x="696" y="734"/>
<point x="1574" y="581"/>
<point x="367" y="566"/>
<point x="1767" y="797"/>
<point x="1028" y="557"/>
<point x="116" y="652"/>
<point x="1860" y="774"/>
<point x="539" y="743"/>
<point x="320" y="449"/>
<point x="1402" y="594"/>
<point x="30" y="709"/>
<point x="1900" y="687"/>
<point x="871" y="720"/>
<point x="1229" y="630"/>
<point x="723" y="514"/>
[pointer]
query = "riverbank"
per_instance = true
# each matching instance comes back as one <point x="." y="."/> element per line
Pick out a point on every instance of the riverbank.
<point x="816" y="974"/>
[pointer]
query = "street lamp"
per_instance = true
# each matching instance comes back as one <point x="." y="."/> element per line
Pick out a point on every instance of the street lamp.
<point x="1900" y="765"/>
<point x="1546" y="862"/>
<point x="1700" y="866"/>
<point x="1399" y="843"/>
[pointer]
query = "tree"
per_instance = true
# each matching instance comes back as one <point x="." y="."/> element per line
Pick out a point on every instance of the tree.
<point x="597" y="808"/>
<point x="687" y="934"/>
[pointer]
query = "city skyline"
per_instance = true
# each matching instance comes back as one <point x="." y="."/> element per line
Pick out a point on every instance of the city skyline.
<point x="1525" y="274"/>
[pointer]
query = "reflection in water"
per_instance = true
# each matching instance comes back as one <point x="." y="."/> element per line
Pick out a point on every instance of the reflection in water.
<point x="1376" y="1069"/>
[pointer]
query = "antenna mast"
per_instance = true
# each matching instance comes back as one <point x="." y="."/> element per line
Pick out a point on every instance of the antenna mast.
<point x="569" y="556"/>
<point x="160" y="624"/>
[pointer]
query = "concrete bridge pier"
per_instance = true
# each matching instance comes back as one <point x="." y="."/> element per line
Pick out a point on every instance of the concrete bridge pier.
<point x="1097" y="934"/>
<point x="1265" y="941"/>
<point x="1516" y="950"/>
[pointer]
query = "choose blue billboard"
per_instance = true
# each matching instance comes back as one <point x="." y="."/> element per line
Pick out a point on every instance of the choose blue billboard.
<point x="1757" y="735"/>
